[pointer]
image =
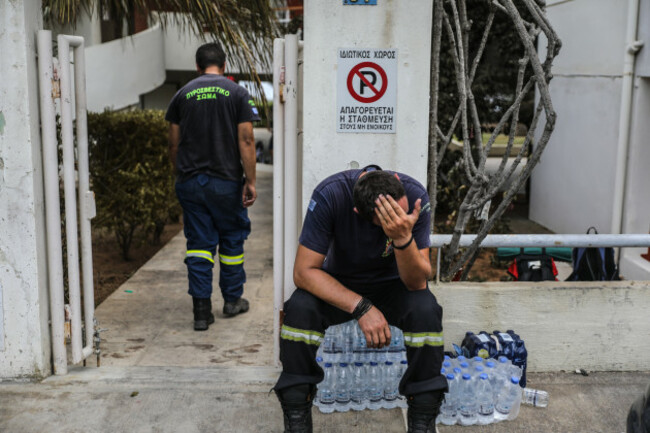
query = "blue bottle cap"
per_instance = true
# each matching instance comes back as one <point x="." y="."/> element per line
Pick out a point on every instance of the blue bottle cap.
<point x="489" y="364"/>
<point x="443" y="371"/>
<point x="404" y="361"/>
<point x="483" y="376"/>
<point x="447" y="357"/>
<point x="461" y="358"/>
<point x="478" y="368"/>
<point x="451" y="377"/>
<point x="464" y="365"/>
<point x="457" y="370"/>
<point x="478" y="359"/>
<point x="319" y="359"/>
<point x="446" y="364"/>
<point x="503" y="359"/>
<point x="358" y="364"/>
<point x="515" y="380"/>
<point x="328" y="364"/>
<point x="389" y="363"/>
<point x="343" y="364"/>
<point x="466" y="376"/>
<point x="373" y="363"/>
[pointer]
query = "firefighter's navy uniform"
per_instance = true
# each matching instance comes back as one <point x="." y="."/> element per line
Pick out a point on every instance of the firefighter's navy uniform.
<point x="360" y="256"/>
<point x="209" y="184"/>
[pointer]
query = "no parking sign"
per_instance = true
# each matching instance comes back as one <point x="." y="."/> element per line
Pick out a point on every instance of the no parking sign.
<point x="366" y="90"/>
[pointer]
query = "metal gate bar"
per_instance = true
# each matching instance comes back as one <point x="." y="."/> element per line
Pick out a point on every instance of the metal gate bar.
<point x="544" y="241"/>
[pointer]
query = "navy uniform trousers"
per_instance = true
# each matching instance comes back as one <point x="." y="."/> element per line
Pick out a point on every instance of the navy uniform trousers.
<point x="213" y="215"/>
<point x="416" y="313"/>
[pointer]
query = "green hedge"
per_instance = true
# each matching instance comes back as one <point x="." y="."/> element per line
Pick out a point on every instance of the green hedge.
<point x="131" y="175"/>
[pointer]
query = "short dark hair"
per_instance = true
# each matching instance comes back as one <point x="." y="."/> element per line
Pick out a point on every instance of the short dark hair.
<point x="210" y="54"/>
<point x="368" y="188"/>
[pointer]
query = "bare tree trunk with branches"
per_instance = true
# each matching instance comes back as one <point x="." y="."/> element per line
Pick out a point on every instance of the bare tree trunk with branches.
<point x="451" y="18"/>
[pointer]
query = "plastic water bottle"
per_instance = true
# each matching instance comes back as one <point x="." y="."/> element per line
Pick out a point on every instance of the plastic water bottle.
<point x="326" y="390"/>
<point x="478" y="371"/>
<point x="449" y="407"/>
<point x="343" y="386"/>
<point x="327" y="346"/>
<point x="535" y="397"/>
<point x="360" y="348"/>
<point x="348" y="342"/>
<point x="338" y="343"/>
<point x="468" y="407"/>
<point x="507" y="406"/>
<point x="500" y="377"/>
<point x="375" y="390"/>
<point x="485" y="400"/>
<point x="358" y="387"/>
<point x="403" y="365"/>
<point x="396" y="350"/>
<point x="391" y="383"/>
<point x="477" y="360"/>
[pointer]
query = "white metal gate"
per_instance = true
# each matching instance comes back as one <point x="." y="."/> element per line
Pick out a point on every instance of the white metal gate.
<point x="287" y="179"/>
<point x="55" y="82"/>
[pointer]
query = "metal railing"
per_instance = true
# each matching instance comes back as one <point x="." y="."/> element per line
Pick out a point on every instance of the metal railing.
<point x="78" y="210"/>
<point x="543" y="241"/>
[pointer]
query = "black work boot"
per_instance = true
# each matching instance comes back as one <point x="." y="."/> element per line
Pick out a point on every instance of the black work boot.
<point x="296" y="404"/>
<point x="231" y="309"/>
<point x="203" y="316"/>
<point x="423" y="410"/>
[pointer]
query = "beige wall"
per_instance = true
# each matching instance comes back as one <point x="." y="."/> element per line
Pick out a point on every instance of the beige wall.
<point x="566" y="326"/>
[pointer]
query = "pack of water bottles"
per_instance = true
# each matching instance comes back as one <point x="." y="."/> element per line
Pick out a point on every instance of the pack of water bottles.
<point x="357" y="377"/>
<point x="508" y="344"/>
<point x="481" y="391"/>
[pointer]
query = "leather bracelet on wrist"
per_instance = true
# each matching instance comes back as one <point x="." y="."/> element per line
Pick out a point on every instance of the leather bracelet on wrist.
<point x="403" y="247"/>
<point x="362" y="308"/>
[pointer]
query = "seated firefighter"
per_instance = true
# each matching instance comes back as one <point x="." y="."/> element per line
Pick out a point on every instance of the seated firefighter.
<point x="363" y="254"/>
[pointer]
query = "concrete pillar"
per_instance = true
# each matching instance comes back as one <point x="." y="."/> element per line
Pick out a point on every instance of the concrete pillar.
<point x="390" y="24"/>
<point x="24" y="330"/>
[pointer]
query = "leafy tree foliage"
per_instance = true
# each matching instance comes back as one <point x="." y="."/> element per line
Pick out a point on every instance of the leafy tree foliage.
<point x="131" y="175"/>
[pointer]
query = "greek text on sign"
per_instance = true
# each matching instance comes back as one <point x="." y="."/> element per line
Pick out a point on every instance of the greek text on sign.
<point x="366" y="90"/>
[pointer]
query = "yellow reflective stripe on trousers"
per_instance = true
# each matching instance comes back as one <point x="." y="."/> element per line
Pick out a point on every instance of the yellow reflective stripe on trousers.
<point x="203" y="254"/>
<point x="231" y="260"/>
<point x="420" y="339"/>
<point x="301" y="335"/>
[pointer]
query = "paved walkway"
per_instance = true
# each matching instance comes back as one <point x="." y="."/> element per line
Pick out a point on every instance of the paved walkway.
<point x="158" y="375"/>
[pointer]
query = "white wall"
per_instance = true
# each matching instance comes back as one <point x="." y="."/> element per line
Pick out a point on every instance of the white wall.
<point x="180" y="48"/>
<point x="565" y="325"/>
<point x="573" y="184"/>
<point x="637" y="195"/>
<point x="592" y="34"/>
<point x="329" y="26"/>
<point x="87" y="26"/>
<point x="24" y="317"/>
<point x="643" y="58"/>
<point x="118" y="72"/>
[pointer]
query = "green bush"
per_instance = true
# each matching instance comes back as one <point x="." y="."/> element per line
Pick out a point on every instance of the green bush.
<point x="131" y="175"/>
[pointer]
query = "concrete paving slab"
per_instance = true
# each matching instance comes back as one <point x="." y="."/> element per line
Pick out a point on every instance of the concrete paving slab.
<point x="149" y="318"/>
<point x="158" y="375"/>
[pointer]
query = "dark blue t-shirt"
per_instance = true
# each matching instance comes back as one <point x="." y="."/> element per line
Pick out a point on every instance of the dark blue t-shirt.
<point x="208" y="110"/>
<point x="358" y="253"/>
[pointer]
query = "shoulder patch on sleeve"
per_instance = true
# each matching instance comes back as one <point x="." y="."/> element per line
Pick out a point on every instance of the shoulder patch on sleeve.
<point x="312" y="204"/>
<point x="426" y="208"/>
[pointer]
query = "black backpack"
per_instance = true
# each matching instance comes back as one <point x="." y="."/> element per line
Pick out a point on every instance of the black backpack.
<point x="533" y="267"/>
<point x="594" y="264"/>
